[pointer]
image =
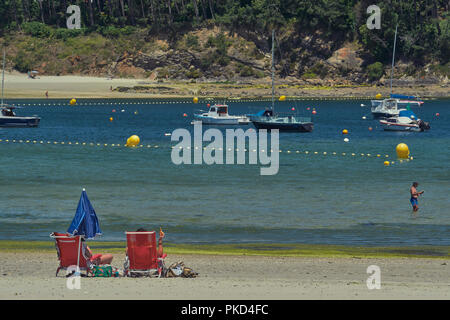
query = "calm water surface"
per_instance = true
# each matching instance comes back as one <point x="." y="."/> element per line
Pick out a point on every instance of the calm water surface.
<point x="315" y="198"/>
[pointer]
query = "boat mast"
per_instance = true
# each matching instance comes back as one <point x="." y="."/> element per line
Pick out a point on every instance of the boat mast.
<point x="273" y="69"/>
<point x="393" y="55"/>
<point x="3" y="73"/>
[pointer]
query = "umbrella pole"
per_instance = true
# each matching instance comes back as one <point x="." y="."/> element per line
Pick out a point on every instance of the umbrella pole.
<point x="78" y="258"/>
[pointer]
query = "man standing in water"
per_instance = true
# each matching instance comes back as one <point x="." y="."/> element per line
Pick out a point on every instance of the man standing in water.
<point x="414" y="196"/>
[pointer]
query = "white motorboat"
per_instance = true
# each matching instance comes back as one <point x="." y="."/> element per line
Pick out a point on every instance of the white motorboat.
<point x="218" y="115"/>
<point x="405" y="121"/>
<point x="402" y="100"/>
<point x="386" y="109"/>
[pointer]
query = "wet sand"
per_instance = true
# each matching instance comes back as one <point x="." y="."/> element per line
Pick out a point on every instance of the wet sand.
<point x="31" y="275"/>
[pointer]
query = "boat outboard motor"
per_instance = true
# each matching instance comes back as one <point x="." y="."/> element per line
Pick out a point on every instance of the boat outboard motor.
<point x="268" y="113"/>
<point x="423" y="125"/>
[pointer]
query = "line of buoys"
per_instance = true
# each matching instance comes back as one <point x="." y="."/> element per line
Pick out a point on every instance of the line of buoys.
<point x="243" y="100"/>
<point x="134" y="140"/>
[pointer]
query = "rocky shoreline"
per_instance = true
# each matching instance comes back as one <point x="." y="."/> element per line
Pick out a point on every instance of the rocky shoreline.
<point x="18" y="85"/>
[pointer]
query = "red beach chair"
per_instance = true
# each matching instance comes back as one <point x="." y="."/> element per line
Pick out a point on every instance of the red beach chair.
<point x="142" y="257"/>
<point x="70" y="253"/>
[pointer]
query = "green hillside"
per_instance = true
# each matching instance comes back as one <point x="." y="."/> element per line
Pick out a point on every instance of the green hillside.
<point x="225" y="40"/>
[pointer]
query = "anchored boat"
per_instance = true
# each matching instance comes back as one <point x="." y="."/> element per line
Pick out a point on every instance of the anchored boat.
<point x="402" y="101"/>
<point x="268" y="119"/>
<point x="405" y="121"/>
<point x="289" y="123"/>
<point x="218" y="115"/>
<point x="8" y="117"/>
<point x="386" y="109"/>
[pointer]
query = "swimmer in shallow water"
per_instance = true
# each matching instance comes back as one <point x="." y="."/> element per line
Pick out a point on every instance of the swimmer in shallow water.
<point x="415" y="196"/>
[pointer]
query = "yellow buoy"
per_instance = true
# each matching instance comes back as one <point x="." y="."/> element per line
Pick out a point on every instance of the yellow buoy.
<point x="111" y="119"/>
<point x="133" y="141"/>
<point x="386" y="163"/>
<point x="378" y="96"/>
<point x="195" y="100"/>
<point x="282" y="98"/>
<point x="73" y="102"/>
<point x="345" y="131"/>
<point x="402" y="151"/>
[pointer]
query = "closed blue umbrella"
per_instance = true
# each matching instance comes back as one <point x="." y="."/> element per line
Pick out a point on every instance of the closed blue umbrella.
<point x="85" y="221"/>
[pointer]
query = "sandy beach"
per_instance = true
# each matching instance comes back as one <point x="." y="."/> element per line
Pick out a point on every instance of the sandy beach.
<point x="31" y="275"/>
<point x="19" y="85"/>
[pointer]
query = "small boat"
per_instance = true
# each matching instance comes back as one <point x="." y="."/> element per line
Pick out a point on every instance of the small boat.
<point x="268" y="119"/>
<point x="405" y="121"/>
<point x="8" y="117"/>
<point x="386" y="109"/>
<point x="218" y="115"/>
<point x="289" y="123"/>
<point x="402" y="100"/>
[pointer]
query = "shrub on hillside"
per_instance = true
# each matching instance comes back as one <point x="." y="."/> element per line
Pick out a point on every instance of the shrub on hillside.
<point x="192" y="41"/>
<point x="319" y="69"/>
<point x="375" y="71"/>
<point x="22" y="62"/>
<point x="114" y="32"/>
<point x="65" y="34"/>
<point x="248" y="71"/>
<point x="193" y="73"/>
<point x="37" y="29"/>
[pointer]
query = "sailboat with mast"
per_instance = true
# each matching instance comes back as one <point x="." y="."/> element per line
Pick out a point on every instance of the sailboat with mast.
<point x="388" y="107"/>
<point x="8" y="117"/>
<point x="268" y="119"/>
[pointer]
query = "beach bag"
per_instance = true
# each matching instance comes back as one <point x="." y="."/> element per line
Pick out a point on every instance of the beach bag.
<point x="104" y="271"/>
<point x="178" y="269"/>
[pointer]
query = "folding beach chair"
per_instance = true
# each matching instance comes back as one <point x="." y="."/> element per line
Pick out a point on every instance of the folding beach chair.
<point x="70" y="252"/>
<point x="142" y="258"/>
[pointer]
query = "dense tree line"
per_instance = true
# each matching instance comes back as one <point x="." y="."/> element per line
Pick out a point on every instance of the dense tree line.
<point x="424" y="29"/>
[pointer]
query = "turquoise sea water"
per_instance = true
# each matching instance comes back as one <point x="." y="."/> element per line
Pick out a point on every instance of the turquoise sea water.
<point x="314" y="198"/>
